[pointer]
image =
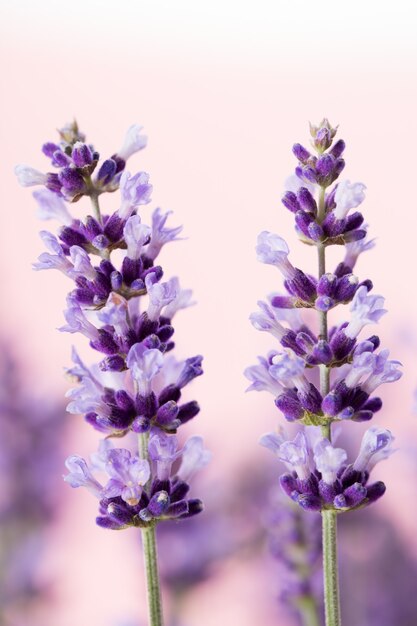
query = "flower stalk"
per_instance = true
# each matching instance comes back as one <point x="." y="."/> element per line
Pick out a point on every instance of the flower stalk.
<point x="150" y="557"/>
<point x="330" y="569"/>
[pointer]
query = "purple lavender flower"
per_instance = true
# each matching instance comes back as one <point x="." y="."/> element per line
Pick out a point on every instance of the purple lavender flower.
<point x="319" y="475"/>
<point x="123" y="494"/>
<point x="120" y="304"/>
<point x="324" y="375"/>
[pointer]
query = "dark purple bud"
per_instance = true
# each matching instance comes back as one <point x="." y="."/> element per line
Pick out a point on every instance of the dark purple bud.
<point x="346" y="288"/>
<point x="152" y="342"/>
<point x="339" y="167"/>
<point x="326" y="285"/>
<point x="289" y="341"/>
<point x="138" y="285"/>
<point x="101" y="242"/>
<point x="124" y="401"/>
<point x="158" y="504"/>
<point x="167" y="413"/>
<point x="332" y="403"/>
<point x="375" y="491"/>
<point x="160" y="485"/>
<point x="354" y="235"/>
<point x="49" y="148"/>
<point x="114" y="363"/>
<point x="300" y="152"/>
<point x="82" y="154"/>
<point x="349" y="476"/>
<point x="341" y="344"/>
<point x="353" y="221"/>
<point x="354" y="494"/>
<point x="171" y="392"/>
<point x="84" y="296"/>
<point x="310" y="401"/>
<point x="362" y="416"/>
<point x="289" y="200"/>
<point x="374" y="405"/>
<point x="131" y="269"/>
<point x="178" y="509"/>
<point x="119" y="514"/>
<point x="107" y="171"/>
<point x="109" y="524"/>
<point x="288" y="484"/>
<point x="60" y="159"/>
<point x="105" y="343"/>
<point x="283" y="302"/>
<point x="114" y="227"/>
<point x="52" y="183"/>
<point x="301" y="286"/>
<point x="307" y="173"/>
<point x="195" y="506"/>
<point x="324" y="303"/>
<point x="187" y="411"/>
<point x="141" y="424"/>
<point x="156" y="269"/>
<point x="325" y="165"/>
<point x="304" y="341"/>
<point x="116" y="280"/>
<point x="72" y="237"/>
<point x="328" y="492"/>
<point x="375" y="340"/>
<point x="179" y="491"/>
<point x="340" y="502"/>
<point x="290" y="406"/>
<point x="192" y="368"/>
<point x="309" y="502"/>
<point x="322" y="352"/>
<point x="146" y="405"/>
<point x="315" y="231"/>
<point x="332" y="226"/>
<point x="72" y="180"/>
<point x="367" y="283"/>
<point x="308" y="485"/>
<point x="338" y="148"/>
<point x="303" y="221"/>
<point x="165" y="333"/>
<point x="347" y="413"/>
<point x="306" y="201"/>
<point x="92" y="228"/>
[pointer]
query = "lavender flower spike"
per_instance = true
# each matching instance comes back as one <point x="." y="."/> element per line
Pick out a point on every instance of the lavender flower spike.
<point x="347" y="370"/>
<point x="118" y="302"/>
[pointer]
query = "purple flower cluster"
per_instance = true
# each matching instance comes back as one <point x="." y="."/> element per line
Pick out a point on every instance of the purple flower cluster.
<point x="351" y="368"/>
<point x="124" y="308"/>
<point x="320" y="476"/>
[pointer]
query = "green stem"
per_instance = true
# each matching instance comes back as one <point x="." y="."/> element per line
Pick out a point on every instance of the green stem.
<point x="330" y="573"/>
<point x="308" y="610"/>
<point x="152" y="575"/>
<point x="329" y="518"/>
<point x="96" y="206"/>
<point x="150" y="554"/>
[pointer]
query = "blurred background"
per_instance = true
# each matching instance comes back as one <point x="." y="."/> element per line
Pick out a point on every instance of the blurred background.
<point x="223" y="90"/>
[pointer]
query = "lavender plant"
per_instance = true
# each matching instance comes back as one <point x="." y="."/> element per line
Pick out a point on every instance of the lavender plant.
<point x="294" y="539"/>
<point x="320" y="476"/>
<point x="30" y="454"/>
<point x="120" y="304"/>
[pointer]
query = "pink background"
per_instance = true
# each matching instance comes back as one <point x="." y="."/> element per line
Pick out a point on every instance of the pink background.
<point x="223" y="90"/>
